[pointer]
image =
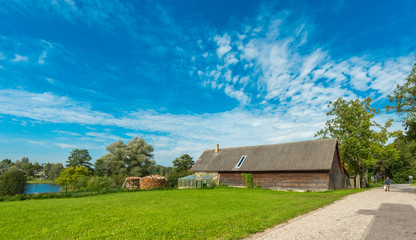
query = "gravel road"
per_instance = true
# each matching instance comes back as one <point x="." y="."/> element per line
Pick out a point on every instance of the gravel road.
<point x="373" y="214"/>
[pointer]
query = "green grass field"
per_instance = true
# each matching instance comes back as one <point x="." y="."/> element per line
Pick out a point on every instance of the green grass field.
<point x="168" y="214"/>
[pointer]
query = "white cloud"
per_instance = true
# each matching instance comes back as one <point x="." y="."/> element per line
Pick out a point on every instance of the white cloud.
<point x="19" y="58"/>
<point x="66" y="133"/>
<point x="50" y="80"/>
<point x="279" y="68"/>
<point x="64" y="145"/>
<point x="311" y="62"/>
<point x="47" y="107"/>
<point x="103" y="136"/>
<point x="36" y="142"/>
<point x="42" y="57"/>
<point x="237" y="94"/>
<point x="223" y="43"/>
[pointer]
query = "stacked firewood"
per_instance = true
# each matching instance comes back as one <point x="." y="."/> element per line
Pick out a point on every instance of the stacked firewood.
<point x="153" y="181"/>
<point x="132" y="182"/>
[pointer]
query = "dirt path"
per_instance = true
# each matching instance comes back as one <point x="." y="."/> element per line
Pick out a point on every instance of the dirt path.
<point x="373" y="214"/>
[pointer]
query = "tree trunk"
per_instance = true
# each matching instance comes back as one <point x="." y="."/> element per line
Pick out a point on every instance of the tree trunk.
<point x="357" y="180"/>
<point x="363" y="178"/>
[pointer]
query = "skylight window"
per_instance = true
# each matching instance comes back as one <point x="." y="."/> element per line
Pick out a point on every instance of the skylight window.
<point x="241" y="161"/>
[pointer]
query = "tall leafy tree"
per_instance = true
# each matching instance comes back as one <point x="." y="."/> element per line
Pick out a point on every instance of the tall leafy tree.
<point x="405" y="163"/>
<point x="353" y="125"/>
<point x="162" y="170"/>
<point x="79" y="157"/>
<point x="112" y="163"/>
<point x="183" y="163"/>
<point x="132" y="159"/>
<point x="404" y="103"/>
<point x="37" y="167"/>
<point x="6" y="161"/>
<point x="29" y="169"/>
<point x="5" y="165"/>
<point x="12" y="182"/>
<point x="139" y="157"/>
<point x="20" y="163"/>
<point x="54" y="170"/>
<point x="25" y="160"/>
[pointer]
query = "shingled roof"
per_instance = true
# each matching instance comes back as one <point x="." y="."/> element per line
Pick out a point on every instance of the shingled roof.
<point x="296" y="156"/>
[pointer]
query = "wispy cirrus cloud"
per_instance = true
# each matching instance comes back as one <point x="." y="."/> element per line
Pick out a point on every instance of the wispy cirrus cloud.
<point x="272" y="60"/>
<point x="65" y="145"/>
<point x="42" y="57"/>
<point x="19" y="58"/>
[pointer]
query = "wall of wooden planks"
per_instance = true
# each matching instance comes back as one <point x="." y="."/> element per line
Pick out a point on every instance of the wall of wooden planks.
<point x="315" y="181"/>
<point x="337" y="179"/>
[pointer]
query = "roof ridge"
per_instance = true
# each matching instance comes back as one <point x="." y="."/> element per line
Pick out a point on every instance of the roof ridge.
<point x="315" y="140"/>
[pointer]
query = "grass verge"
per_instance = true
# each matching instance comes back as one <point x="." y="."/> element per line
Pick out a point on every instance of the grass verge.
<point x="175" y="214"/>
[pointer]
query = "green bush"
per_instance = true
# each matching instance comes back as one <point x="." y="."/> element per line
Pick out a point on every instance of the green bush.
<point x="248" y="177"/>
<point x="80" y="183"/>
<point x="101" y="183"/>
<point x="402" y="176"/>
<point x="12" y="182"/>
<point x="173" y="178"/>
<point x="119" y="179"/>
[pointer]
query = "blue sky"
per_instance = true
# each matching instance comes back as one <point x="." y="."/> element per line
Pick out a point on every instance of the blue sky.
<point x="185" y="75"/>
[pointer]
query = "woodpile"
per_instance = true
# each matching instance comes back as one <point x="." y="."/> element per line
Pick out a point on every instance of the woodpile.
<point x="153" y="181"/>
<point x="132" y="182"/>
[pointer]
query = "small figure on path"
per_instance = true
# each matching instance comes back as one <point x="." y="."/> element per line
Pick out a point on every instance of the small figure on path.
<point x="388" y="182"/>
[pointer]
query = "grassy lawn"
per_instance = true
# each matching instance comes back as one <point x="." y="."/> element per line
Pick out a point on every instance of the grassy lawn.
<point x="169" y="214"/>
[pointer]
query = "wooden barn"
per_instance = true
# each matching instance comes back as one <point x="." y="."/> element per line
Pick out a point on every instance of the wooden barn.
<point x="310" y="165"/>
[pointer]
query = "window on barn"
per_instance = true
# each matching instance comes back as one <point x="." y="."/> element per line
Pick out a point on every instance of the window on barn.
<point x="241" y="161"/>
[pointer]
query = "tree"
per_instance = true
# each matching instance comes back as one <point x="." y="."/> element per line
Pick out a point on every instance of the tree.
<point x="404" y="100"/>
<point x="112" y="163"/>
<point x="38" y="168"/>
<point x="139" y="158"/>
<point x="79" y="157"/>
<point x="99" y="169"/>
<point x="19" y="164"/>
<point x="360" y="143"/>
<point x="161" y="170"/>
<point x="52" y="170"/>
<point x="5" y="165"/>
<point x="183" y="163"/>
<point x="25" y="160"/>
<point x="405" y="163"/>
<point x="12" y="182"/>
<point x="6" y="161"/>
<point x="70" y="175"/>
<point x="133" y="159"/>
<point x="28" y="169"/>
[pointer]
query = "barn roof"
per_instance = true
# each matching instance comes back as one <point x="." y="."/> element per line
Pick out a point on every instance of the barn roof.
<point x="296" y="156"/>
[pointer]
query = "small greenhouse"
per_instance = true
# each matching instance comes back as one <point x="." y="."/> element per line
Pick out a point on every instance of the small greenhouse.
<point x="194" y="181"/>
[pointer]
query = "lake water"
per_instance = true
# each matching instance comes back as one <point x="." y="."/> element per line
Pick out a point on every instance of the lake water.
<point x="42" y="188"/>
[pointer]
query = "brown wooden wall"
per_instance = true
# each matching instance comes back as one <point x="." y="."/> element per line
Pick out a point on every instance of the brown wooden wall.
<point x="317" y="181"/>
<point x="337" y="179"/>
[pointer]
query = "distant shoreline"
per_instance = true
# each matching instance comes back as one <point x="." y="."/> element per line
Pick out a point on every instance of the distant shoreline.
<point x="41" y="181"/>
